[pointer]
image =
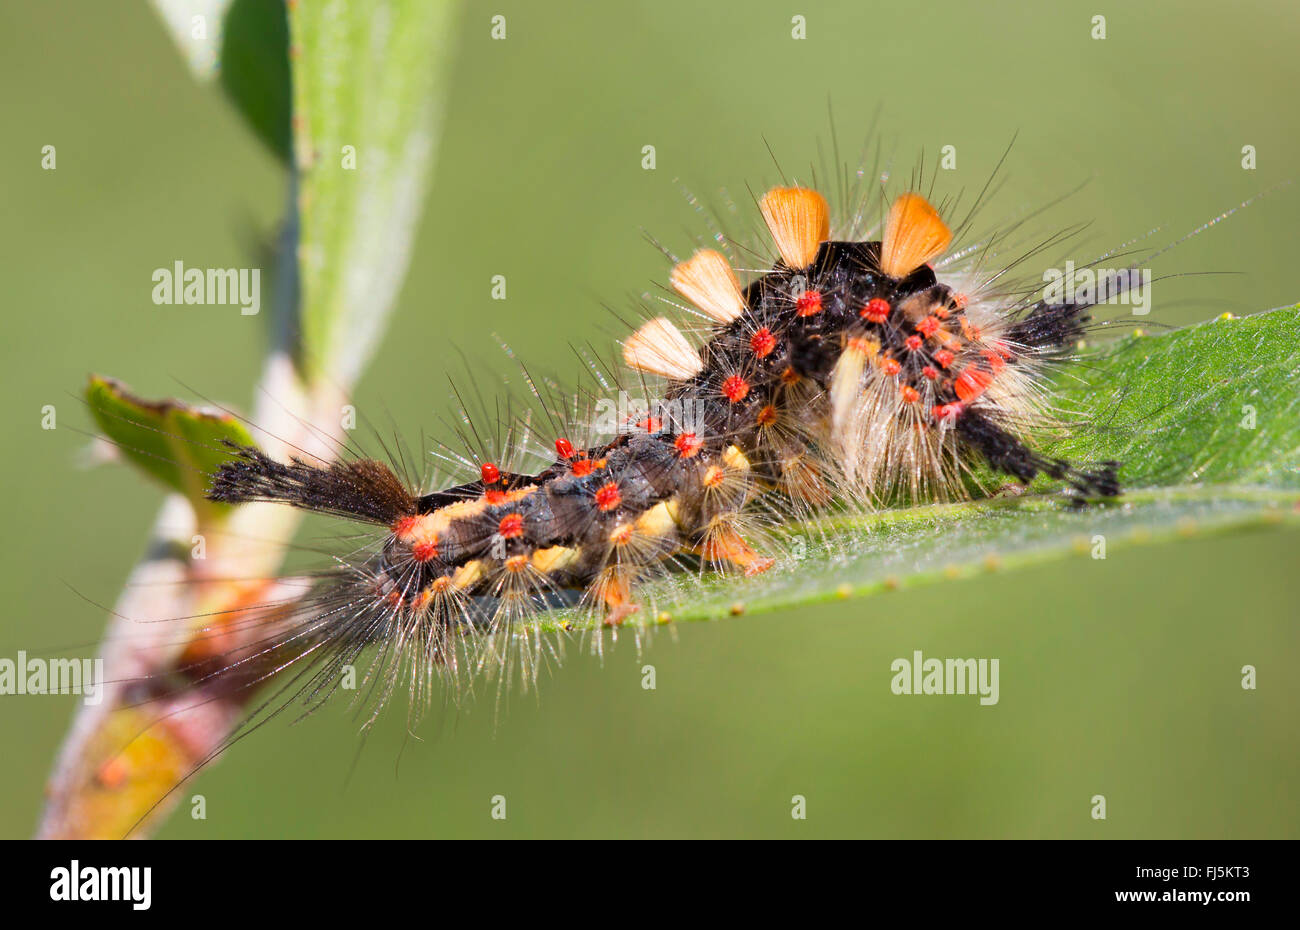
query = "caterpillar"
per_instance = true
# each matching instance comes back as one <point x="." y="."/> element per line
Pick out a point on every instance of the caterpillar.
<point x="844" y="372"/>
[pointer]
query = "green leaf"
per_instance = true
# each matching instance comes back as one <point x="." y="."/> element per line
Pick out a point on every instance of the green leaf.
<point x="255" y="69"/>
<point x="195" y="26"/>
<point x="368" y="84"/>
<point x="1205" y="420"/>
<point x="246" y="44"/>
<point x="178" y="445"/>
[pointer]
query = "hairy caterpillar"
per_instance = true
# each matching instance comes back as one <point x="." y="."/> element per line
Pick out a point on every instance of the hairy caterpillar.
<point x="847" y="372"/>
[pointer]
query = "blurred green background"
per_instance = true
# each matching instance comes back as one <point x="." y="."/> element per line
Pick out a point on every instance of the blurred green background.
<point x="1119" y="677"/>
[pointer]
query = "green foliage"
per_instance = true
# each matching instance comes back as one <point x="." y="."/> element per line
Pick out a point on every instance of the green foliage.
<point x="368" y="89"/>
<point x="174" y="443"/>
<point x="255" y="69"/>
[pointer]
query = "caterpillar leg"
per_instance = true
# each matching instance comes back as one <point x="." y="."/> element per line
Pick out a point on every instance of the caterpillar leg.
<point x="614" y="594"/>
<point x="1008" y="454"/>
<point x="724" y="544"/>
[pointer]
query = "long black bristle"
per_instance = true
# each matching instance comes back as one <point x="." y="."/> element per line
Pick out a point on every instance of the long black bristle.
<point x="362" y="490"/>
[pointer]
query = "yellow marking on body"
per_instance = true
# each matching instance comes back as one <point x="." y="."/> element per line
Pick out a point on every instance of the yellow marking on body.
<point x="553" y="559"/>
<point x="659" y="520"/>
<point x="468" y="574"/>
<point x="732" y="457"/>
<point x="421" y="529"/>
<point x="428" y="527"/>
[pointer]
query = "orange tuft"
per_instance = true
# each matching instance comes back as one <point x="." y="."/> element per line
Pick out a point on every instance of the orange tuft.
<point x="706" y="280"/>
<point x="914" y="234"/>
<point x="799" y="220"/>
<point x="659" y="348"/>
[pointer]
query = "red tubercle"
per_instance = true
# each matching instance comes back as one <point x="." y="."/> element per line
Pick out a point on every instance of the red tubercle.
<point x="405" y="526"/>
<point x="494" y="496"/>
<point x="583" y="467"/>
<point x="910" y="394"/>
<point x="913" y="343"/>
<point x="930" y="372"/>
<point x="809" y="303"/>
<point x="608" y="497"/>
<point x="948" y="411"/>
<point x="762" y="342"/>
<point x="944" y="357"/>
<point x="889" y="367"/>
<point x="687" y="445"/>
<point x="564" y="448"/>
<point x="735" y="388"/>
<point x="928" y="327"/>
<point x="971" y="383"/>
<point x="511" y="526"/>
<point x="425" y="550"/>
<point x="876" y="310"/>
<point x="490" y="473"/>
<point x="996" y="361"/>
